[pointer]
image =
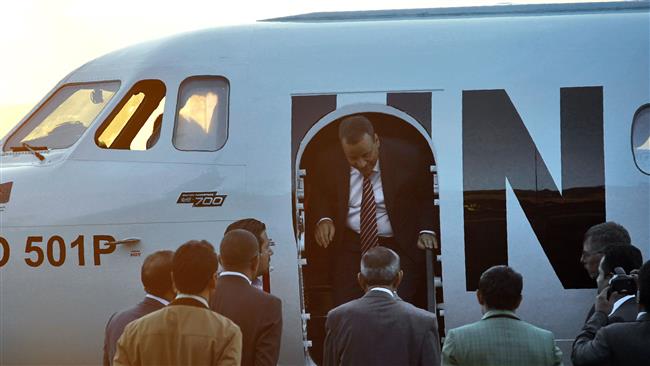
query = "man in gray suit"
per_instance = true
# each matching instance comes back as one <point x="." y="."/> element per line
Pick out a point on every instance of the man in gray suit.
<point x="500" y="338"/>
<point x="379" y="328"/>
<point x="616" y="344"/>
<point x="157" y="281"/>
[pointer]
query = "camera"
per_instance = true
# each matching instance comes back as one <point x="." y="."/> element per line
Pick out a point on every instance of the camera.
<point x="622" y="283"/>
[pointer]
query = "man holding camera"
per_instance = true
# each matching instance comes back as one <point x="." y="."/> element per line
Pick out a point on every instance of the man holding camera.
<point x="616" y="344"/>
<point x="617" y="262"/>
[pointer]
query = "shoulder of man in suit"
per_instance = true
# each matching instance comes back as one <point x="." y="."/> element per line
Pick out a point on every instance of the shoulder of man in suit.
<point x="268" y="296"/>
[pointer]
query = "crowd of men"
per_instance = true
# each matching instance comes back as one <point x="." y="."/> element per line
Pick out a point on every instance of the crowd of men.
<point x="191" y="315"/>
<point x="194" y="314"/>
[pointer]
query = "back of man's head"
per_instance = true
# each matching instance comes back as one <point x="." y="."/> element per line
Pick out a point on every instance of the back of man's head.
<point x="500" y="288"/>
<point x="253" y="226"/>
<point x="195" y="264"/>
<point x="156" y="273"/>
<point x="354" y="127"/>
<point x="605" y="234"/>
<point x="644" y="286"/>
<point x="380" y="267"/>
<point x="238" y="249"/>
<point x="625" y="256"/>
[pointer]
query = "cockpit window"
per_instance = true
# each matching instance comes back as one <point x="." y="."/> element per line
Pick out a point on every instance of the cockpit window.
<point x="136" y="122"/>
<point x="641" y="138"/>
<point x="63" y="118"/>
<point x="202" y="114"/>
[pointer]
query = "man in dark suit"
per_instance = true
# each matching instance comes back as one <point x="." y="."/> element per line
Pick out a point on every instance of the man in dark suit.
<point x="258" y="229"/>
<point x="629" y="258"/>
<point x="257" y="313"/>
<point x="379" y="328"/>
<point x="596" y="239"/>
<point x="368" y="192"/>
<point x="186" y="332"/>
<point x="616" y="344"/>
<point x="156" y="279"/>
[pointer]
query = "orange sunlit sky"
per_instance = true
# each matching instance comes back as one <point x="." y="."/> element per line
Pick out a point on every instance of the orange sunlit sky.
<point x="43" y="40"/>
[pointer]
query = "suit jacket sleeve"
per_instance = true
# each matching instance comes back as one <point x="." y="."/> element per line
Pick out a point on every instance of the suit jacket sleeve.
<point x="267" y="347"/>
<point x="323" y="201"/>
<point x="330" y="350"/>
<point x="231" y="355"/>
<point x="449" y="351"/>
<point x="430" y="353"/>
<point x="590" y="346"/>
<point x="425" y="196"/>
<point x="106" y="361"/>
<point x="122" y="348"/>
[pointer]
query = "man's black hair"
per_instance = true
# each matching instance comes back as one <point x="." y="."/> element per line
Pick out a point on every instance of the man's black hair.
<point x="156" y="273"/>
<point x="195" y="263"/>
<point x="251" y="225"/>
<point x="607" y="233"/>
<point x="500" y="287"/>
<point x="625" y="256"/>
<point x="238" y="247"/>
<point x="354" y="127"/>
<point x="644" y="285"/>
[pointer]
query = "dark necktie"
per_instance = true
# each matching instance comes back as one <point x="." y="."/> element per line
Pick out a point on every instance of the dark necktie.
<point x="368" y="232"/>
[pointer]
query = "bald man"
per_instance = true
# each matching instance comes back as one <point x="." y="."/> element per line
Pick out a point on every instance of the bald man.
<point x="156" y="277"/>
<point x="257" y="313"/>
<point x="379" y="328"/>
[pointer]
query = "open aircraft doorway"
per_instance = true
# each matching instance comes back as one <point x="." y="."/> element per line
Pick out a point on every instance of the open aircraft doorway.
<point x="316" y="273"/>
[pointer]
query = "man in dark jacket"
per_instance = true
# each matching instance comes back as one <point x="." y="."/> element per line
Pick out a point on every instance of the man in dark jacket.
<point x="373" y="191"/>
<point x="156" y="279"/>
<point x="620" y="343"/>
<point x="257" y="313"/>
<point x="596" y="239"/>
<point x="629" y="258"/>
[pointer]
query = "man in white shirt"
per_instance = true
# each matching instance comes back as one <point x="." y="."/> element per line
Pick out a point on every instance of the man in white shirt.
<point x="371" y="191"/>
<point x="379" y="328"/>
<point x="258" y="229"/>
<point x="257" y="313"/>
<point x="629" y="258"/>
<point x="625" y="343"/>
<point x="157" y="282"/>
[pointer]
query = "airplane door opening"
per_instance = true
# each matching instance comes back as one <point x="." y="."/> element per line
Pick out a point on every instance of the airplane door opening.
<point x="315" y="260"/>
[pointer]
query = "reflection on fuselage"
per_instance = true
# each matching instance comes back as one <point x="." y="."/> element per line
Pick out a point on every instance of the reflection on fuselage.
<point x="497" y="147"/>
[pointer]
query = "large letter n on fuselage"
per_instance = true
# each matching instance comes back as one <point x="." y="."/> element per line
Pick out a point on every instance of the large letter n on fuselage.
<point x="497" y="146"/>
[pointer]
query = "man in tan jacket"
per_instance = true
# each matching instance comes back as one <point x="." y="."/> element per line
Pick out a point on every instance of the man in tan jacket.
<point x="186" y="332"/>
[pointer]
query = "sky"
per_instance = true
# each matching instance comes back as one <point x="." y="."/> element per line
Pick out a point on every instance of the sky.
<point x="44" y="40"/>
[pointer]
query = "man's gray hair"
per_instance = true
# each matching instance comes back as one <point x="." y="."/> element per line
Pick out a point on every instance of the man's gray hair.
<point x="606" y="234"/>
<point x="380" y="266"/>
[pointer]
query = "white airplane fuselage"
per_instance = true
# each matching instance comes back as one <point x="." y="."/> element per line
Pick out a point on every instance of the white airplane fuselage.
<point x="54" y="306"/>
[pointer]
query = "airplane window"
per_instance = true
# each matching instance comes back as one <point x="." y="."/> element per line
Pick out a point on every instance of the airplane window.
<point x="136" y="122"/>
<point x="641" y="138"/>
<point x="202" y="114"/>
<point x="63" y="118"/>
